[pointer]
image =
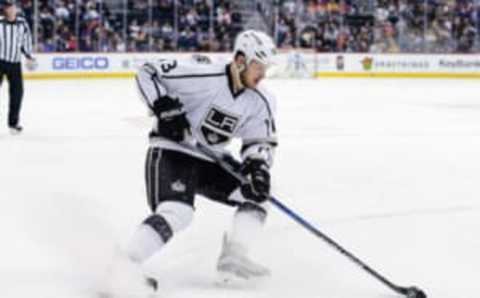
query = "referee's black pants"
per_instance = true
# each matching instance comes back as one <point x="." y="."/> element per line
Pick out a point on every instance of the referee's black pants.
<point x="13" y="72"/>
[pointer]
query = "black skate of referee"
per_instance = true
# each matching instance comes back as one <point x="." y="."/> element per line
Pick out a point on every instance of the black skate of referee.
<point x="15" y="40"/>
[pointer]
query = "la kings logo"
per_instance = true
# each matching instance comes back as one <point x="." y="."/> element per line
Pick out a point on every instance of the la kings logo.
<point x="218" y="126"/>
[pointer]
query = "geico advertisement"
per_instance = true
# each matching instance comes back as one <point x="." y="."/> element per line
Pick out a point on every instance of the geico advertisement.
<point x="72" y="63"/>
<point x="69" y="63"/>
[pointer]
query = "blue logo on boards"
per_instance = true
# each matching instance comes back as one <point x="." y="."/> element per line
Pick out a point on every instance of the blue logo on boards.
<point x="80" y="63"/>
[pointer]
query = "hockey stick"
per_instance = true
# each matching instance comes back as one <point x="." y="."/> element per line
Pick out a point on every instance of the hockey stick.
<point x="409" y="292"/>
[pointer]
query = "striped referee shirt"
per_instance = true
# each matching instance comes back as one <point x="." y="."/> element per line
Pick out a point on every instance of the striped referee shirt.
<point x="15" y="39"/>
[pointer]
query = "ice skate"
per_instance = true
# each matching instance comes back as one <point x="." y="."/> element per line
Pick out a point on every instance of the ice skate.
<point x="15" y="130"/>
<point x="234" y="265"/>
<point x="126" y="279"/>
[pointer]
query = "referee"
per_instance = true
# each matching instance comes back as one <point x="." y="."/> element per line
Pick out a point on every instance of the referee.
<point x="15" y="39"/>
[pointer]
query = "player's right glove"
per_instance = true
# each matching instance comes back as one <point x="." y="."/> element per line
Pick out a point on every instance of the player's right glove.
<point x="172" y="120"/>
<point x="256" y="170"/>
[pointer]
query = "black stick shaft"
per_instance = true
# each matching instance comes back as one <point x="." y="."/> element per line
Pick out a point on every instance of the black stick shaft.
<point x="334" y="244"/>
<point x="297" y="218"/>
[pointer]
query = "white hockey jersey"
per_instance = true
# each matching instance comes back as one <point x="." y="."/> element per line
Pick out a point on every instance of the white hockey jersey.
<point x="216" y="114"/>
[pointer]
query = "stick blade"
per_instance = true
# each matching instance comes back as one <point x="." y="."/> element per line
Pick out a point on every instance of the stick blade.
<point x="413" y="292"/>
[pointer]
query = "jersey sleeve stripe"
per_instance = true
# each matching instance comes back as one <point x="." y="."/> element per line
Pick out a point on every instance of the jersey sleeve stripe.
<point x="144" y="95"/>
<point x="191" y="76"/>
<point x="152" y="72"/>
<point x="156" y="83"/>
<point x="268" y="108"/>
<point x="150" y="68"/>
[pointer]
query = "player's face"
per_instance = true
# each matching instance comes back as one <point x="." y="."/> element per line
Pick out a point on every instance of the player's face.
<point x="253" y="74"/>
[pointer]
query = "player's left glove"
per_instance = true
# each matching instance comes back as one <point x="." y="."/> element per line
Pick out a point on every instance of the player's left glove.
<point x="256" y="170"/>
<point x="172" y="120"/>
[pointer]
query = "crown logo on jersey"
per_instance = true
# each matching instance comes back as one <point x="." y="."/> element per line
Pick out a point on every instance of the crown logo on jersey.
<point x="178" y="186"/>
<point x="212" y="138"/>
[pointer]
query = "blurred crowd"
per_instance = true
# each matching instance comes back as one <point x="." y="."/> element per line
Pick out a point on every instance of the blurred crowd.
<point x="133" y="25"/>
<point x="378" y="26"/>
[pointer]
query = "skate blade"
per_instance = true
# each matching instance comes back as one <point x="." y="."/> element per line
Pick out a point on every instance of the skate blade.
<point x="232" y="280"/>
<point x="105" y="294"/>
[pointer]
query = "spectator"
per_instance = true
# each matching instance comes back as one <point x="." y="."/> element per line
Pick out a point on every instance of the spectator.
<point x="440" y="26"/>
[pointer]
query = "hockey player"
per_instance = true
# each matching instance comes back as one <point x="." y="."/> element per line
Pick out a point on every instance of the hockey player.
<point x="210" y="104"/>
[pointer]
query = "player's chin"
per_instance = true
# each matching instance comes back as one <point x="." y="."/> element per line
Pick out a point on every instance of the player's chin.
<point x="253" y="84"/>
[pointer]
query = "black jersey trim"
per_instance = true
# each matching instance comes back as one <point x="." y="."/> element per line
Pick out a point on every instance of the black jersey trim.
<point x="156" y="82"/>
<point x="249" y="145"/>
<point x="274" y="129"/>
<point x="230" y="83"/>
<point x="191" y="76"/>
<point x="150" y="69"/>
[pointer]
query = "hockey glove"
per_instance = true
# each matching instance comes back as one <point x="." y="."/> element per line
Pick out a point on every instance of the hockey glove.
<point x="172" y="120"/>
<point x="256" y="170"/>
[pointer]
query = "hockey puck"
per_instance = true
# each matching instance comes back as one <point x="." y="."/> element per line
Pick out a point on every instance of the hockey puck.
<point x="414" y="292"/>
<point x="152" y="283"/>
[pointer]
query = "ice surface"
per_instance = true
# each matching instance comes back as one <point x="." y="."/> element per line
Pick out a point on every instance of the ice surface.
<point x="388" y="168"/>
